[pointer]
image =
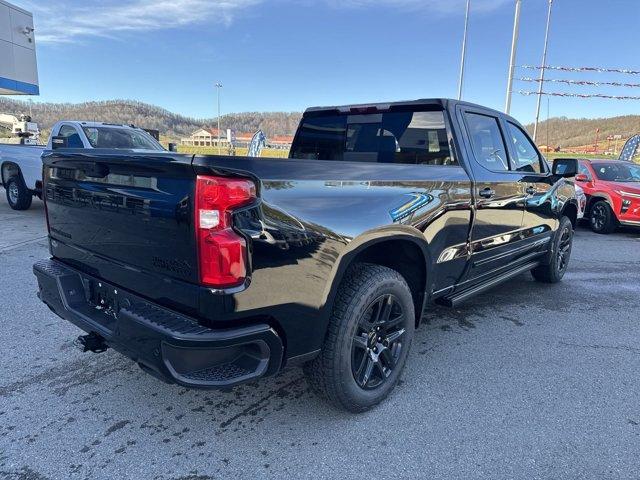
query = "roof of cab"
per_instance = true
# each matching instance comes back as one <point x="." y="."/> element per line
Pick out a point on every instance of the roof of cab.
<point x="385" y="106"/>
<point x="98" y="124"/>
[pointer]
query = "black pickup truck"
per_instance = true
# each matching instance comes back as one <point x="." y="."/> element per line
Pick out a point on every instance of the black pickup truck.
<point x="209" y="271"/>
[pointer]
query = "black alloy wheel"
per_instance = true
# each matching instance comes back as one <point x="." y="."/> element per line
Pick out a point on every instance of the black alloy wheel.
<point x="378" y="342"/>
<point x="602" y="217"/>
<point x="599" y="216"/>
<point x="564" y="248"/>
<point x="555" y="266"/>
<point x="368" y="339"/>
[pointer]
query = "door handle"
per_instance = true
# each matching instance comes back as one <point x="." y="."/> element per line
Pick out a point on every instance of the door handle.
<point x="531" y="190"/>
<point x="487" y="193"/>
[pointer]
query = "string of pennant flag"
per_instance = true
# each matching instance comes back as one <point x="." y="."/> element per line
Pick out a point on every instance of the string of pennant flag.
<point x="583" y="69"/>
<point x="580" y="82"/>
<point x="590" y="83"/>
<point x="581" y="95"/>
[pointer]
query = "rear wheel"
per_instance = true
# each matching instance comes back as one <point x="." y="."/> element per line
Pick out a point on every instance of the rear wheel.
<point x="602" y="218"/>
<point x="18" y="195"/>
<point x="560" y="255"/>
<point x="368" y="339"/>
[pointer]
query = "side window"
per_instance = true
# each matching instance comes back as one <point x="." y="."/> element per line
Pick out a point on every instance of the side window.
<point x="390" y="137"/>
<point x="487" y="142"/>
<point x="320" y="138"/>
<point x="582" y="168"/>
<point x="73" y="137"/>
<point x="527" y="158"/>
<point x="419" y="138"/>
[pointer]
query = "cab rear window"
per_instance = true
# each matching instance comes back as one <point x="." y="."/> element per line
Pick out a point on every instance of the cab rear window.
<point x="392" y="137"/>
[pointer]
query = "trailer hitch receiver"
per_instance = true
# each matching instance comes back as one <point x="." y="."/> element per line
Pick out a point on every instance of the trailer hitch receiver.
<point x="91" y="343"/>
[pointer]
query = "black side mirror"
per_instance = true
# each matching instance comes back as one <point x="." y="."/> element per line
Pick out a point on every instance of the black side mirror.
<point x="565" y="167"/>
<point x="173" y="147"/>
<point x="59" y="142"/>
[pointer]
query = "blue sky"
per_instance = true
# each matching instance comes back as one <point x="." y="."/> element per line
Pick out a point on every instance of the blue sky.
<point x="274" y="55"/>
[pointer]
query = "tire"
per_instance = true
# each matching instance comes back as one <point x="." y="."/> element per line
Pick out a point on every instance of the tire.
<point x="561" y="246"/>
<point x="601" y="218"/>
<point x="18" y="195"/>
<point x="368" y="339"/>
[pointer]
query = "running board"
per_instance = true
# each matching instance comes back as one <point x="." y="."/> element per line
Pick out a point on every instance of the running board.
<point x="457" y="298"/>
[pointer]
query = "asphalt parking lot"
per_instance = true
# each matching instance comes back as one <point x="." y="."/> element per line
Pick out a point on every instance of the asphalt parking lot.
<point x="526" y="381"/>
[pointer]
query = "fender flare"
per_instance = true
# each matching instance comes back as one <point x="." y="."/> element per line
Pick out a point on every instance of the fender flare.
<point x="362" y="243"/>
<point x="573" y="203"/>
<point x="12" y="164"/>
<point x="591" y="199"/>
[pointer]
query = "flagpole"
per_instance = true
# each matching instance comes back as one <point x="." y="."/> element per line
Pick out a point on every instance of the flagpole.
<point x="512" y="60"/>
<point x="464" y="51"/>
<point x="543" y="66"/>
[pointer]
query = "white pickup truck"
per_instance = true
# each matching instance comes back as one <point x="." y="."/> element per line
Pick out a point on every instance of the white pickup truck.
<point x="21" y="165"/>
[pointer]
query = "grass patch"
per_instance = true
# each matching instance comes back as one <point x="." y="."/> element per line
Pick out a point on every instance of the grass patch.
<point x="553" y="155"/>
<point x="240" y="152"/>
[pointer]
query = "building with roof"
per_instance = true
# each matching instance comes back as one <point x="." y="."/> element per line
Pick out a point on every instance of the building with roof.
<point x="18" y="67"/>
<point x="280" y="141"/>
<point x="208" y="137"/>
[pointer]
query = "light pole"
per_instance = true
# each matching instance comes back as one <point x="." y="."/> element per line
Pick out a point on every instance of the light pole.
<point x="542" y="67"/>
<point x="548" y="123"/>
<point x="464" y="51"/>
<point x="512" y="61"/>
<point x="218" y="87"/>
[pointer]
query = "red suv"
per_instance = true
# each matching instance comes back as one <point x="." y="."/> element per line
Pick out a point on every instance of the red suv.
<point x="613" y="193"/>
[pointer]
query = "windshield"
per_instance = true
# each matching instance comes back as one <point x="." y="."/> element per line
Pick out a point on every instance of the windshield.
<point x="125" y="138"/>
<point x="617" y="172"/>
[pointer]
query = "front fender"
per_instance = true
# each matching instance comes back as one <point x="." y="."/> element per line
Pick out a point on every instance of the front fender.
<point x="553" y="202"/>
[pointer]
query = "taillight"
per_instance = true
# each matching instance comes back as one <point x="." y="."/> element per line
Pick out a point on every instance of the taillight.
<point x="221" y="251"/>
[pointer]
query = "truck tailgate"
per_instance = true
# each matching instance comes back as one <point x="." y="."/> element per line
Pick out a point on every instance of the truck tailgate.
<point x="111" y="213"/>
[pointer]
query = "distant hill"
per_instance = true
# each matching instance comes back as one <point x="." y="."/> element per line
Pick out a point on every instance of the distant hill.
<point x="149" y="116"/>
<point x="568" y="132"/>
<point x="562" y="131"/>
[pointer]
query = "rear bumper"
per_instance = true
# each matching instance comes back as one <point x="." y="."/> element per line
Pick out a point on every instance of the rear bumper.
<point x="167" y="344"/>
